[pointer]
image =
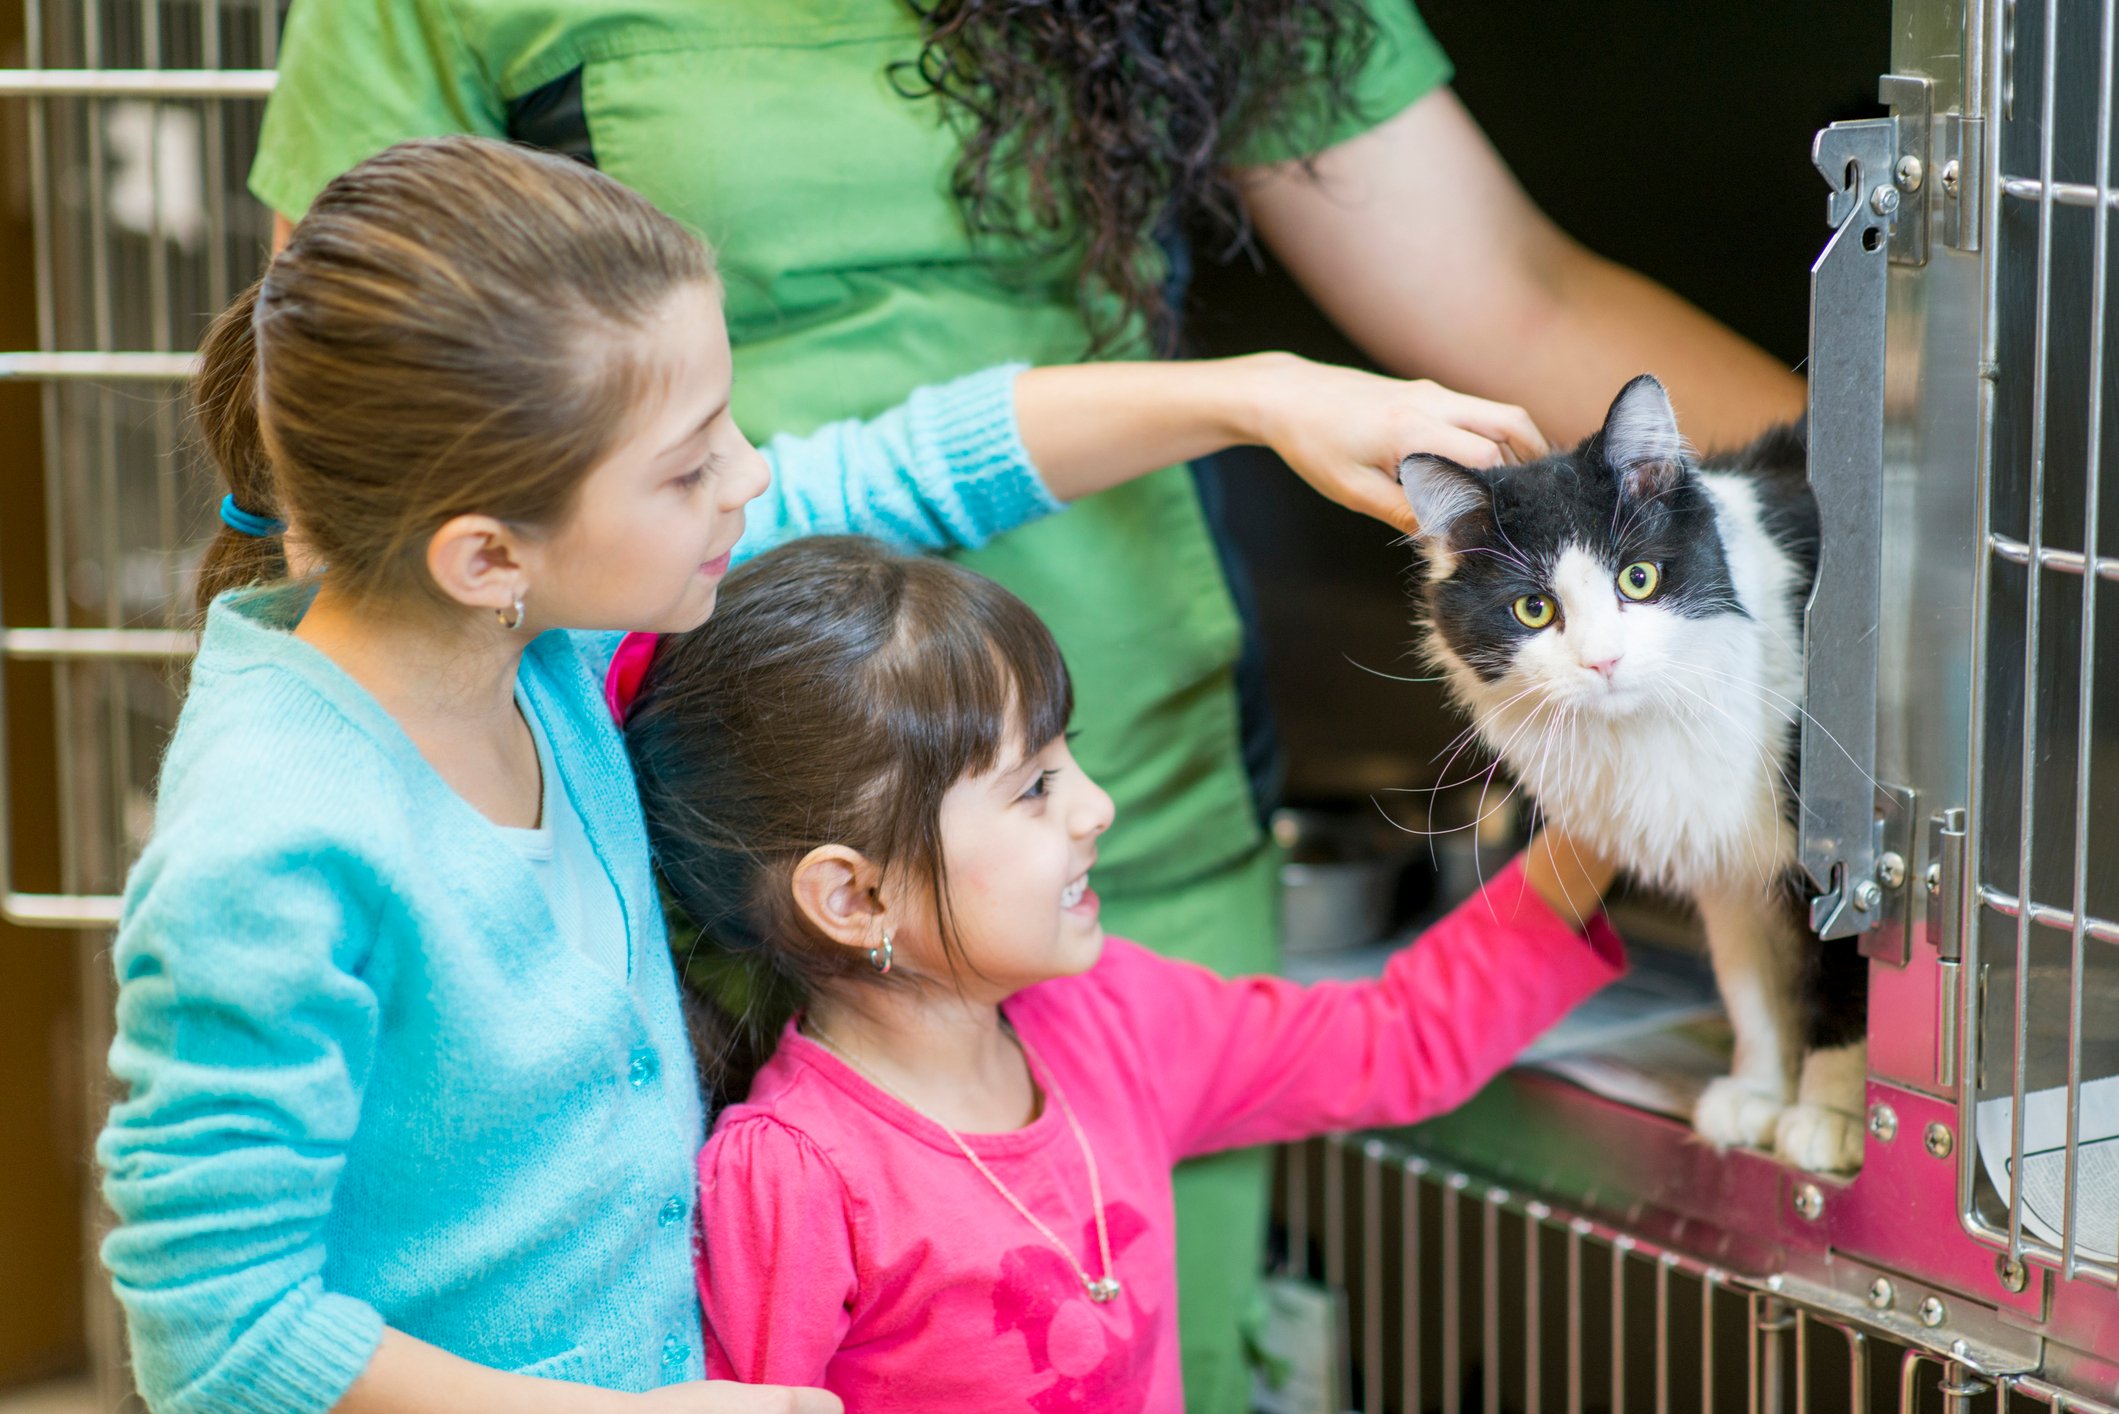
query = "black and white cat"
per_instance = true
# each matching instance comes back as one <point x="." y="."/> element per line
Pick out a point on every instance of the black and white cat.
<point x="1624" y="625"/>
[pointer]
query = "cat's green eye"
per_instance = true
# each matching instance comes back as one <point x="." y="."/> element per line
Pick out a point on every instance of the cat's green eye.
<point x="1533" y="611"/>
<point x="1639" y="580"/>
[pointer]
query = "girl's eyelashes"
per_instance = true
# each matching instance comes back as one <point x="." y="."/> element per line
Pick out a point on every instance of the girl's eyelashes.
<point x="1040" y="784"/>
<point x="692" y="479"/>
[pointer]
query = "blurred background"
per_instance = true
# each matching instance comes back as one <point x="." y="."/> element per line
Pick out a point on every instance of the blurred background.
<point x="1672" y="138"/>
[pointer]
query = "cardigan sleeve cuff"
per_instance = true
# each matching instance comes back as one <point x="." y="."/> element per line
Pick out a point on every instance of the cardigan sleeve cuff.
<point x="968" y="436"/>
<point x="301" y="1358"/>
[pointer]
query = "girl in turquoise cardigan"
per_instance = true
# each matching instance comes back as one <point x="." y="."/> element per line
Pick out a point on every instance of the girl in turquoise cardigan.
<point x="411" y="1116"/>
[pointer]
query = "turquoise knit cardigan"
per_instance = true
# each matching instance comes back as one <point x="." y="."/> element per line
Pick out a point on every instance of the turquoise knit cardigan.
<point x="368" y="1080"/>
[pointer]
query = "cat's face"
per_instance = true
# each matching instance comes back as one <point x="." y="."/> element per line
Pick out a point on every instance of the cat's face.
<point x="1593" y="579"/>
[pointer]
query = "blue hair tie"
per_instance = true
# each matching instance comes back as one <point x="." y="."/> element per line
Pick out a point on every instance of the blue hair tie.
<point x="247" y="522"/>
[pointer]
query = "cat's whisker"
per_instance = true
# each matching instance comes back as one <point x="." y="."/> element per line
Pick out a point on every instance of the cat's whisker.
<point x="1391" y="677"/>
<point x="1800" y="710"/>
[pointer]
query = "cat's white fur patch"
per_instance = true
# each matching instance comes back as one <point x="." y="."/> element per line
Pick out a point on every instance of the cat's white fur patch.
<point x="1731" y="1115"/>
<point x="1822" y="1130"/>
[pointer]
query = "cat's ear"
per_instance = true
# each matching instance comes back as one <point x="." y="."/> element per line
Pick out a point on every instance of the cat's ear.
<point x="1440" y="492"/>
<point x="1641" y="440"/>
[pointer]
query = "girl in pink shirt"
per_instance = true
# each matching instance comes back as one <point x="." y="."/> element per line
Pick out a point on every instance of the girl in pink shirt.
<point x="941" y="1179"/>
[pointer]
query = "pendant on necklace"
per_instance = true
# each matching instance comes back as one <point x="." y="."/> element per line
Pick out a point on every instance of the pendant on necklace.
<point x="1103" y="1290"/>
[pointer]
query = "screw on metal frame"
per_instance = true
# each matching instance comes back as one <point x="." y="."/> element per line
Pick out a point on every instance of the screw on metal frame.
<point x="1883" y="1123"/>
<point x="1938" y="1139"/>
<point x="1882" y="1295"/>
<point x="1932" y="1312"/>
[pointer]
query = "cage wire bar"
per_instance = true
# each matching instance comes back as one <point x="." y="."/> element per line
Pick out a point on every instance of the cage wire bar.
<point x="2035" y="792"/>
<point x="1506" y="1304"/>
<point x="141" y="120"/>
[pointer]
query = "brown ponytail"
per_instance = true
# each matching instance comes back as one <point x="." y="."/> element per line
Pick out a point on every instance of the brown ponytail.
<point x="444" y="334"/>
<point x="224" y="400"/>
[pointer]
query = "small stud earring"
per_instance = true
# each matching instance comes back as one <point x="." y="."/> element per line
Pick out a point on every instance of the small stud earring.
<point x="879" y="958"/>
<point x="511" y="624"/>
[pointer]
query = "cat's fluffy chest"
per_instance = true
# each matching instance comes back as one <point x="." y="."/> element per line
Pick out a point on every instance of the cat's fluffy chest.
<point x="1688" y="790"/>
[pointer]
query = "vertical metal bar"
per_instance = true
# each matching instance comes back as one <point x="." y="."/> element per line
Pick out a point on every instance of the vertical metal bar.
<point x="1334" y="1211"/>
<point x="1960" y="1386"/>
<point x="1662" y="1333"/>
<point x="1576" y="1230"/>
<point x="1534" y="1309"/>
<point x="1769" y="1323"/>
<point x="1909" y="1382"/>
<point x="215" y="138"/>
<point x="1409" y="1245"/>
<point x="1372" y="1277"/>
<point x="269" y="33"/>
<point x="1751" y="1352"/>
<point x="1971" y="967"/>
<point x="1298" y="1191"/>
<point x="1490" y="1300"/>
<point x="1709" y="1287"/>
<point x="1452" y="1296"/>
<point x="1619" y="1249"/>
<point x="2084" y="710"/>
<point x="1857" y="1370"/>
<point x="2033" y="577"/>
<point x="1802" y="1363"/>
<point x="158" y="313"/>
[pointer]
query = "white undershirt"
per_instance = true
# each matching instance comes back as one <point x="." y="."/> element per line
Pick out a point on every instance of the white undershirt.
<point x="584" y="900"/>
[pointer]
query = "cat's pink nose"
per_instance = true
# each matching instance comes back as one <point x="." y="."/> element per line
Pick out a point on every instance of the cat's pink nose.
<point x="1604" y="667"/>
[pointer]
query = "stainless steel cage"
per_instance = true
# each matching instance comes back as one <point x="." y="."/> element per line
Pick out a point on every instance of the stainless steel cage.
<point x="1542" y="1248"/>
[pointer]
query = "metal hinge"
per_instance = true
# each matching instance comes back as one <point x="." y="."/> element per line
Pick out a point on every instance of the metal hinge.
<point x="1936" y="162"/>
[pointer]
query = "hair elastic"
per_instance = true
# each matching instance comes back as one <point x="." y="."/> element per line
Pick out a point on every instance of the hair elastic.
<point x="249" y="523"/>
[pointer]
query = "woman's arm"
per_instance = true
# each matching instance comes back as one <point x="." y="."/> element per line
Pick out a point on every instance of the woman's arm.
<point x="409" y="1376"/>
<point x="1417" y="241"/>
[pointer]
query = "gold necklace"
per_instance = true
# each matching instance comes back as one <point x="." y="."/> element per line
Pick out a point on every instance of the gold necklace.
<point x="1101" y="1290"/>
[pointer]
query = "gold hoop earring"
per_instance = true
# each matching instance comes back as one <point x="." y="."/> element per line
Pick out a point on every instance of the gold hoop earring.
<point x="511" y="624"/>
<point x="879" y="958"/>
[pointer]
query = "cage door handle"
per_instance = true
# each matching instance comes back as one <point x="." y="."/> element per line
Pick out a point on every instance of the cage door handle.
<point x="1846" y="440"/>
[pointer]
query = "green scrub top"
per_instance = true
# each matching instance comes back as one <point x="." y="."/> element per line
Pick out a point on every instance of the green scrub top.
<point x="772" y="128"/>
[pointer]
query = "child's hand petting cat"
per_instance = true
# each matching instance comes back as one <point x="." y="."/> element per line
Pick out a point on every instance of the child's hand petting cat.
<point x="1345" y="431"/>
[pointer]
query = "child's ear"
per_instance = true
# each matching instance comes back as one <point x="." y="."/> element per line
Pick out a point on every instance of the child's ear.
<point x="476" y="561"/>
<point x="837" y="889"/>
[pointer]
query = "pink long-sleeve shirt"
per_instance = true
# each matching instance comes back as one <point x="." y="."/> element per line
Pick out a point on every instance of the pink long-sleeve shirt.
<point x="847" y="1242"/>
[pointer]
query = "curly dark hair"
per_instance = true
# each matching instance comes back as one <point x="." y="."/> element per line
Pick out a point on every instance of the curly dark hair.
<point x="1094" y="128"/>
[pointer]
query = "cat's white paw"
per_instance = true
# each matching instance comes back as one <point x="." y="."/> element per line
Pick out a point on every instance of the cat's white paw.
<point x="1731" y="1112"/>
<point x="1818" y="1138"/>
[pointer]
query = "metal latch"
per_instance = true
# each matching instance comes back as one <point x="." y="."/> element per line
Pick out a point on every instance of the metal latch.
<point x="1840" y="792"/>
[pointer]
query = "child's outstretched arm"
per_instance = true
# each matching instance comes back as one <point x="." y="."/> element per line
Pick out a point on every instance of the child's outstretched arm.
<point x="1257" y="1060"/>
<point x="1090" y="426"/>
<point x="958" y="463"/>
